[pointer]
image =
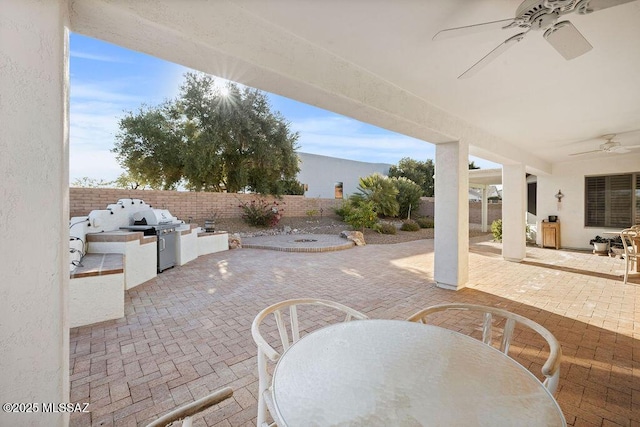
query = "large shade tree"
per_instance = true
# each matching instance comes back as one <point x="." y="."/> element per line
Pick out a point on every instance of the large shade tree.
<point x="422" y="173"/>
<point x="210" y="138"/>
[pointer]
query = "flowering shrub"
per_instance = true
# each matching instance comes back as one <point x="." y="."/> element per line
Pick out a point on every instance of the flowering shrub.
<point x="260" y="213"/>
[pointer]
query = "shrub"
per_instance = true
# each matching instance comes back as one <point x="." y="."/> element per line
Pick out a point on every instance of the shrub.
<point x="408" y="196"/>
<point x="496" y="230"/>
<point x="344" y="210"/>
<point x="362" y="216"/>
<point x="386" y="228"/>
<point x="381" y="191"/>
<point x="409" y="225"/>
<point x="425" y="222"/>
<point x="311" y="213"/>
<point x="261" y="213"/>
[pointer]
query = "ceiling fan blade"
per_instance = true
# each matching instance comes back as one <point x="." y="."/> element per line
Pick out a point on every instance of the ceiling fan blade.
<point x="471" y="29"/>
<point x="585" y="152"/>
<point x="488" y="58"/>
<point x="567" y="40"/>
<point x="590" y="6"/>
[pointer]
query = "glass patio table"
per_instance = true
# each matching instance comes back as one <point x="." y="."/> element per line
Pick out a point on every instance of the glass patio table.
<point x="399" y="373"/>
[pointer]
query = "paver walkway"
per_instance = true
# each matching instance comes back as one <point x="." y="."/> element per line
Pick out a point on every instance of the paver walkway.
<point x="187" y="332"/>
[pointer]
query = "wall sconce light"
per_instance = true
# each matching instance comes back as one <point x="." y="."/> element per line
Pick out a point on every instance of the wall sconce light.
<point x="559" y="196"/>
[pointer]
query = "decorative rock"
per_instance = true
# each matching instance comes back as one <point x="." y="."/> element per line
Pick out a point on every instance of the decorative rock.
<point x="355" y="236"/>
<point x="286" y="229"/>
<point x="235" y="241"/>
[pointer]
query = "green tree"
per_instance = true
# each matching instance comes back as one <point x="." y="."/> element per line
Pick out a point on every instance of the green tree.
<point x="210" y="139"/>
<point x="408" y="196"/>
<point x="419" y="172"/>
<point x="149" y="146"/>
<point x="422" y="173"/>
<point x="472" y="165"/>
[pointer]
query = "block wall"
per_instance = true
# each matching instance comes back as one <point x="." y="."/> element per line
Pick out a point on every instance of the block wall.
<point x="196" y="206"/>
<point x="475" y="210"/>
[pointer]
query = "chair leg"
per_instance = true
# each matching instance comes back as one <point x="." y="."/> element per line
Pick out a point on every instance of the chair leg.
<point x="626" y="270"/>
<point x="263" y="385"/>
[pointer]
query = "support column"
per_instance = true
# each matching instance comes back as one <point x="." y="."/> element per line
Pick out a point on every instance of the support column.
<point x="485" y="209"/>
<point x="514" y="212"/>
<point x="34" y="216"/>
<point x="451" y="253"/>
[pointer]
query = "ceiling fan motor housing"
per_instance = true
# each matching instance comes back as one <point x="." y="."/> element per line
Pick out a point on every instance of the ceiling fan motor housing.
<point x="542" y="14"/>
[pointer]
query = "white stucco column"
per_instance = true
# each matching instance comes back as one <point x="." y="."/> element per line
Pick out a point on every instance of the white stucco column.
<point x="34" y="213"/>
<point x="451" y="254"/>
<point x="485" y="209"/>
<point x="514" y="211"/>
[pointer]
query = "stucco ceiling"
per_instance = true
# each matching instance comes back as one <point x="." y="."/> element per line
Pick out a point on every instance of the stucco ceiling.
<point x="528" y="105"/>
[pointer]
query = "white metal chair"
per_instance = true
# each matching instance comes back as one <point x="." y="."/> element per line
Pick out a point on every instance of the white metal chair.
<point x="266" y="351"/>
<point x="186" y="412"/>
<point x="550" y="369"/>
<point x="630" y="253"/>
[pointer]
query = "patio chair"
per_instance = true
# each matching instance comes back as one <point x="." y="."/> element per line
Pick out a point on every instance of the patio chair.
<point x="630" y="253"/>
<point x="550" y="369"/>
<point x="186" y="412"/>
<point x="267" y="352"/>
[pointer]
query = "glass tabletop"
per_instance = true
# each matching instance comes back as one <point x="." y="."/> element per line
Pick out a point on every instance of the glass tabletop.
<point x="389" y="372"/>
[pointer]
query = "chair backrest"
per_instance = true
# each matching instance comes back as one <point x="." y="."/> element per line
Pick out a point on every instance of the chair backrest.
<point x="628" y="235"/>
<point x="550" y="369"/>
<point x="185" y="412"/>
<point x="288" y="337"/>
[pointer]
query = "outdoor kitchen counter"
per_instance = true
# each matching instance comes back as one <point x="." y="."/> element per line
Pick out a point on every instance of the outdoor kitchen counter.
<point x="121" y="236"/>
<point x="99" y="265"/>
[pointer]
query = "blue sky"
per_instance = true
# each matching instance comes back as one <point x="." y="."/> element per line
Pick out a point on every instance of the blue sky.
<point x="107" y="81"/>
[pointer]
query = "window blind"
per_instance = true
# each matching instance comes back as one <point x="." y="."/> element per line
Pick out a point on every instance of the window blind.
<point x="610" y="201"/>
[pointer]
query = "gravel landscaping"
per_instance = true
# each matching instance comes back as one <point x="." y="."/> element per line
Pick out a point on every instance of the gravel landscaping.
<point x="326" y="225"/>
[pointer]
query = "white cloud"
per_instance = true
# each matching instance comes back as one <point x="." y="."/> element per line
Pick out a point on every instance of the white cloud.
<point x="96" y="57"/>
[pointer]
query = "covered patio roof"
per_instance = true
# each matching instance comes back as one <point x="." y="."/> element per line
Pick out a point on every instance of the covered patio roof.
<point x="484" y="177"/>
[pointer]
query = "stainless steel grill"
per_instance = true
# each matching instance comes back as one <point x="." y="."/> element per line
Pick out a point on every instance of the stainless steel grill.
<point x="159" y="223"/>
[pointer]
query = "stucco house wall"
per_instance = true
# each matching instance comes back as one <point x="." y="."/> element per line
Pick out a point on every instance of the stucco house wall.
<point x="321" y="173"/>
<point x="569" y="178"/>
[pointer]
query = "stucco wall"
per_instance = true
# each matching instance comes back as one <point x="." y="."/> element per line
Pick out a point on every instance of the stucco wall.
<point x="34" y="171"/>
<point x="569" y="177"/>
<point x="321" y="173"/>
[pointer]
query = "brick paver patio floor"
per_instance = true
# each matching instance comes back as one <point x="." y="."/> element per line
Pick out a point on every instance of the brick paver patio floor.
<point x="187" y="332"/>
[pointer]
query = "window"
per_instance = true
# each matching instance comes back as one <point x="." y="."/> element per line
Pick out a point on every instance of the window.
<point x="612" y="200"/>
<point x="338" y="190"/>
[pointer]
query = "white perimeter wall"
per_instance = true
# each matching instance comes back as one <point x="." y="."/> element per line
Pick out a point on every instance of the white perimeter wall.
<point x="321" y="173"/>
<point x="569" y="178"/>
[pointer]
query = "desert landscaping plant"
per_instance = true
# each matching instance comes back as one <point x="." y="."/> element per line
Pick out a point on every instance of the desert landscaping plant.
<point x="408" y="196"/>
<point x="425" y="222"/>
<point x="379" y="190"/>
<point x="496" y="230"/>
<point x="409" y="225"/>
<point x="362" y="216"/>
<point x="344" y="209"/>
<point x="260" y="213"/>
<point x="386" y="228"/>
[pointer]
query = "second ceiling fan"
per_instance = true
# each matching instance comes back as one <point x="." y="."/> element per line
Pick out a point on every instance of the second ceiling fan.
<point x="537" y="15"/>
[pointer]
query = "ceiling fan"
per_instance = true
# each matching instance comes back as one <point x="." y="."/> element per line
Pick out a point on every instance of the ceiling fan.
<point x="537" y="15"/>
<point x="610" y="146"/>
